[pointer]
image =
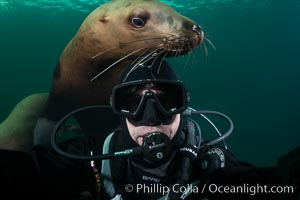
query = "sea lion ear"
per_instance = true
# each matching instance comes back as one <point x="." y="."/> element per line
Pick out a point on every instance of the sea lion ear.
<point x="103" y="18"/>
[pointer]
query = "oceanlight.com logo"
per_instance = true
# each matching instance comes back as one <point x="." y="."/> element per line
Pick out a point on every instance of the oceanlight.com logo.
<point x="249" y="189"/>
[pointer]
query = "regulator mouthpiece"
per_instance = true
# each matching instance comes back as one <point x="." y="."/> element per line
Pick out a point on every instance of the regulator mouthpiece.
<point x="156" y="147"/>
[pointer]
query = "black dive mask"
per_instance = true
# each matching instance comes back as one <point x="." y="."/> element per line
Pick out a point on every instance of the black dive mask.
<point x="150" y="112"/>
<point x="149" y="102"/>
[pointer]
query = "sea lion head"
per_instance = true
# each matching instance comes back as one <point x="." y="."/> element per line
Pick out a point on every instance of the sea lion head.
<point x="114" y="35"/>
<point x="150" y="24"/>
<point x="120" y="27"/>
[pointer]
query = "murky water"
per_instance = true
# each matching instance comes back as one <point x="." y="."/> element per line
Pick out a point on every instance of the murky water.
<point x="252" y="76"/>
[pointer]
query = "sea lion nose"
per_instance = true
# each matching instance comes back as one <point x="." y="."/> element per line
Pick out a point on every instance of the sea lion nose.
<point x="197" y="29"/>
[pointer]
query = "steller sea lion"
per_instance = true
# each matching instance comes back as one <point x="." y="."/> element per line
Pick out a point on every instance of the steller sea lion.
<point x="112" y="36"/>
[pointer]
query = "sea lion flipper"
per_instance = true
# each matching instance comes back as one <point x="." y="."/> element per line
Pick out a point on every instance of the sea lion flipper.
<point x="16" y="131"/>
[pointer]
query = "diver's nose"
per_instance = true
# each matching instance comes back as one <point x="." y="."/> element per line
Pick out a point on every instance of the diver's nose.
<point x="197" y="29"/>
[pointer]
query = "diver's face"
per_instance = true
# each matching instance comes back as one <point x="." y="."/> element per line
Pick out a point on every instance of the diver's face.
<point x="138" y="133"/>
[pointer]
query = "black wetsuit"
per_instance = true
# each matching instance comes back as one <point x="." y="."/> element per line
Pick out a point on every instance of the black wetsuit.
<point x="43" y="174"/>
<point x="234" y="173"/>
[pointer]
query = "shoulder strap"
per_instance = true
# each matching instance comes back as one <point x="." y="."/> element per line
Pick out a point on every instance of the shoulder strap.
<point x="112" y="170"/>
<point x="105" y="169"/>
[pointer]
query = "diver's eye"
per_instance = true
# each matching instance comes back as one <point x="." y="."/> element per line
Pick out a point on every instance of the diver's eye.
<point x="137" y="22"/>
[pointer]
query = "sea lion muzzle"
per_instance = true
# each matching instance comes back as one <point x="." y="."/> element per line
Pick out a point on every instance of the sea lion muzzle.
<point x="196" y="28"/>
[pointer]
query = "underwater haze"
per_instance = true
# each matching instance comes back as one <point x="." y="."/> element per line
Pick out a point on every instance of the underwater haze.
<point x="253" y="75"/>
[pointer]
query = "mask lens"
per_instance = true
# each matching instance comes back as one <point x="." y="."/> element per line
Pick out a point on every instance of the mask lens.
<point x="171" y="97"/>
<point x="127" y="99"/>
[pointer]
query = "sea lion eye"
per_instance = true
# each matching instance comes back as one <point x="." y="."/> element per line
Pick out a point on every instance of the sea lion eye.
<point x="137" y="22"/>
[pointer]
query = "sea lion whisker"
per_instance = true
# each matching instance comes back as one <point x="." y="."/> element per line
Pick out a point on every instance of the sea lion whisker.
<point x="187" y="60"/>
<point x="116" y="62"/>
<point x="160" y="64"/>
<point x="138" y="63"/>
<point x="157" y="54"/>
<point x="169" y="34"/>
<point x="139" y="57"/>
<point x="153" y="53"/>
<point x="160" y="61"/>
<point x="103" y="52"/>
<point x="206" y="39"/>
<point x="166" y="52"/>
<point x="178" y="51"/>
<point x="126" y="43"/>
<point x="210" y="42"/>
<point x="182" y="48"/>
<point x="142" y="40"/>
<point x="156" y="57"/>
<point x="206" y="51"/>
<point x="191" y="58"/>
<point x="142" y="55"/>
<point x="133" y="42"/>
<point x="145" y="59"/>
<point x="191" y="53"/>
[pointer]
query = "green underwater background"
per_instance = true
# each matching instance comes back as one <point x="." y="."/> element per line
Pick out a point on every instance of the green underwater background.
<point x="253" y="76"/>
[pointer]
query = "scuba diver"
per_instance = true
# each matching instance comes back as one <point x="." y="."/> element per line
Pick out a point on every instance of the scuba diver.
<point x="157" y="152"/>
<point x="170" y="160"/>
